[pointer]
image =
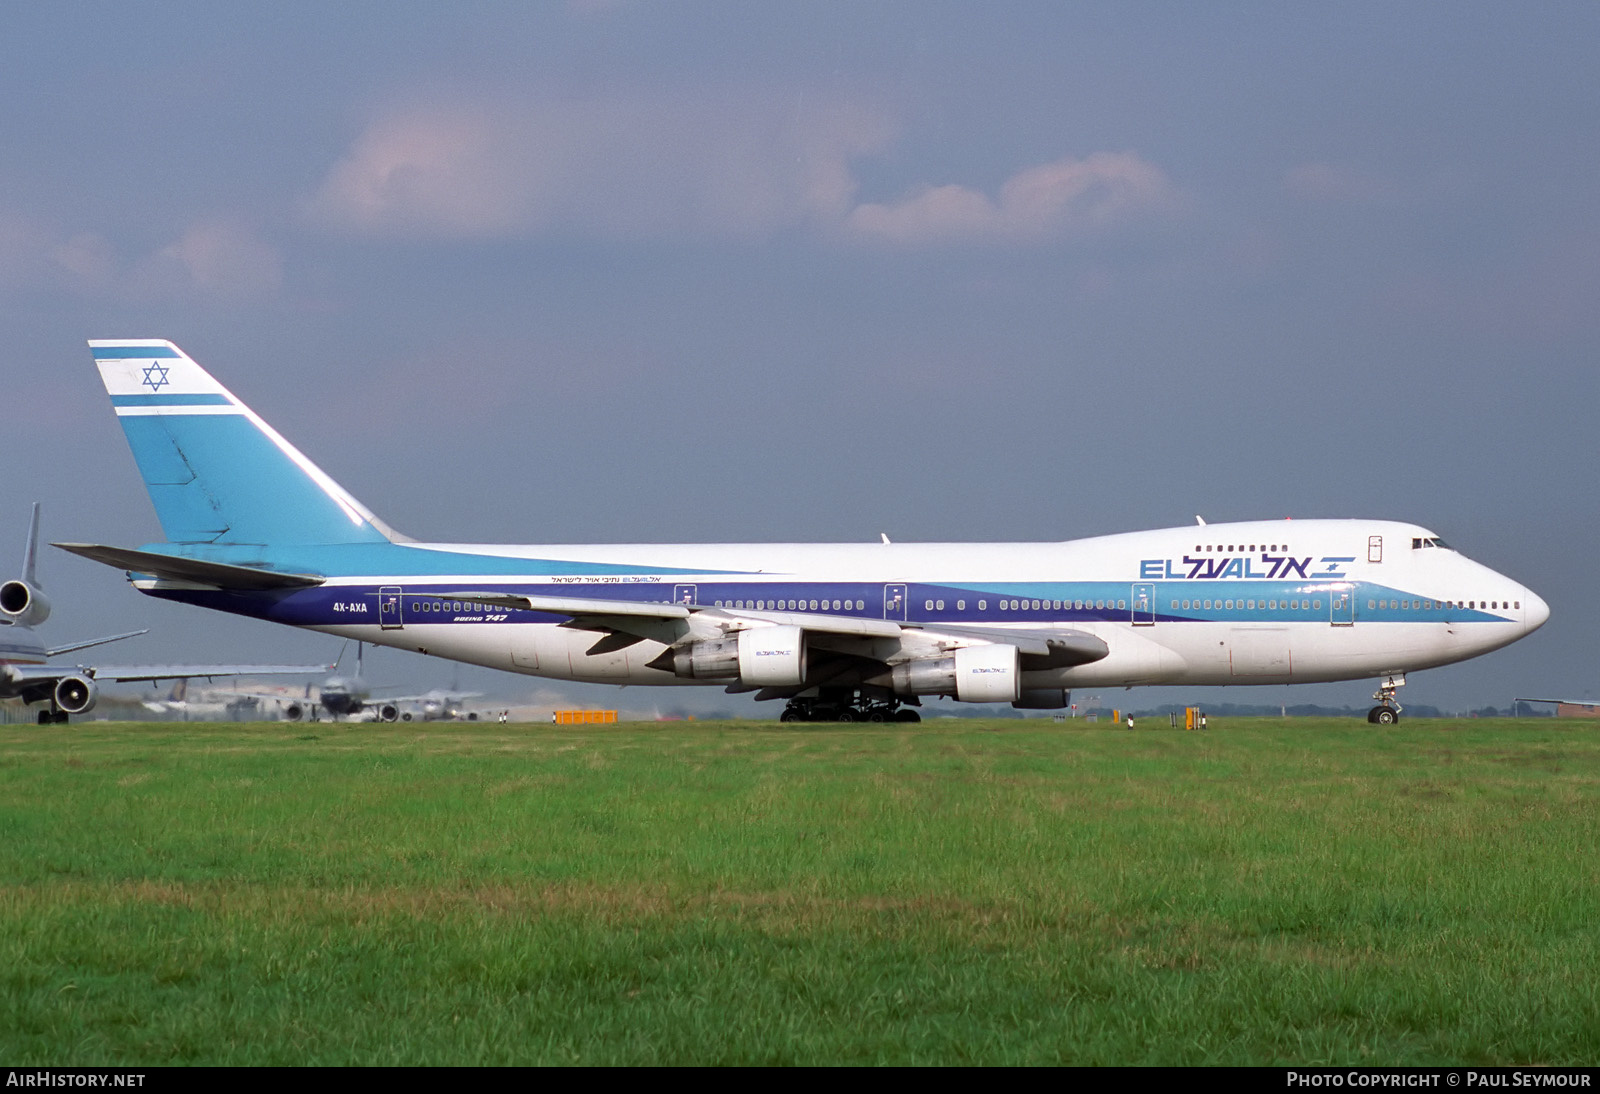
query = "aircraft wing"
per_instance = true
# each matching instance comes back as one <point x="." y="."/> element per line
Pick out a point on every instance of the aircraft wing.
<point x="628" y="621"/>
<point x="119" y="674"/>
<point x="57" y="651"/>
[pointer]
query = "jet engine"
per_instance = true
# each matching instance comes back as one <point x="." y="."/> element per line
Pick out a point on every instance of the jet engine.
<point x="759" y="657"/>
<point x="1043" y="699"/>
<point x="294" y="712"/>
<point x="388" y="712"/>
<point x="23" y="604"/>
<point x="974" y="674"/>
<point x="75" y="694"/>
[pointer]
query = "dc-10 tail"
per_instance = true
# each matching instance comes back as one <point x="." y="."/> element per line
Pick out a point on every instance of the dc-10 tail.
<point x="215" y="471"/>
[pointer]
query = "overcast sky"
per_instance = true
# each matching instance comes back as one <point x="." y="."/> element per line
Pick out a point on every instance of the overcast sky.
<point x="652" y="271"/>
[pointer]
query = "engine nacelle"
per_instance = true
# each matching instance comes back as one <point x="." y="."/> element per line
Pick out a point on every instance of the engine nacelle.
<point x="23" y="603"/>
<point x="388" y="712"/>
<point x="772" y="657"/>
<point x="1043" y="699"/>
<point x="294" y="712"/>
<point x="75" y="694"/>
<point x="974" y="674"/>
<point x="762" y="657"/>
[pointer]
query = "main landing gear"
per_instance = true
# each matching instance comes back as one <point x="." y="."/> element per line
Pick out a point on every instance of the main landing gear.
<point x="1387" y="712"/>
<point x="846" y="707"/>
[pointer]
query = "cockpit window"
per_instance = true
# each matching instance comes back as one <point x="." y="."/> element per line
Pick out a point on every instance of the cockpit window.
<point x="1418" y="542"/>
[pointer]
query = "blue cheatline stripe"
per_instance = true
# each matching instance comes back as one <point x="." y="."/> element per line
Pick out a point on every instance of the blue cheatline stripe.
<point x="170" y="400"/>
<point x="136" y="353"/>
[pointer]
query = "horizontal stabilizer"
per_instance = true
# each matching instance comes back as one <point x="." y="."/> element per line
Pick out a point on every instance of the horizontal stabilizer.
<point x="218" y="574"/>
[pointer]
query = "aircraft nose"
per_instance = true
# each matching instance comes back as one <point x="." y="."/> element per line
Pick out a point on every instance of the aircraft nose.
<point x="1534" y="610"/>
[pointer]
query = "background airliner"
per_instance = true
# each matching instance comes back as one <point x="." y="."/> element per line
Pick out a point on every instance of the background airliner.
<point x="839" y="631"/>
<point x="65" y="690"/>
<point x="350" y="696"/>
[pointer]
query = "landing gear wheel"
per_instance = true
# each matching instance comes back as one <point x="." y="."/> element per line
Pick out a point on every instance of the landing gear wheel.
<point x="845" y="715"/>
<point x="877" y="716"/>
<point x="907" y="715"/>
<point x="1383" y="716"/>
<point x="789" y="715"/>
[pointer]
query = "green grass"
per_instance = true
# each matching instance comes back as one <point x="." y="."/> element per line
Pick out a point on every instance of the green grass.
<point x="1309" y="891"/>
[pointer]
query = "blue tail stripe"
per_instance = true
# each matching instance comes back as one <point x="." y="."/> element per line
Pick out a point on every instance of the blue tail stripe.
<point x="135" y="353"/>
<point x="170" y="400"/>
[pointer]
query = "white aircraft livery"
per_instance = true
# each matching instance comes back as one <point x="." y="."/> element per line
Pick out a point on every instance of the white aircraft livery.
<point x="840" y="631"/>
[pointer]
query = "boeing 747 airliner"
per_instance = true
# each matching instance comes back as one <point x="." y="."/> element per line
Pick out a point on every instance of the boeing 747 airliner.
<point x="839" y="631"/>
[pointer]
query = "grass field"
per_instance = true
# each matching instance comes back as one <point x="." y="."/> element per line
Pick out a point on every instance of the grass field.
<point x="1007" y="892"/>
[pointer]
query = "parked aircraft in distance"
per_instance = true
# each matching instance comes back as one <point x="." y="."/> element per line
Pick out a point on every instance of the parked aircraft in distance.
<point x="208" y="705"/>
<point x="438" y="705"/>
<point x="351" y="697"/>
<point x="74" y="689"/>
<point x="841" y="631"/>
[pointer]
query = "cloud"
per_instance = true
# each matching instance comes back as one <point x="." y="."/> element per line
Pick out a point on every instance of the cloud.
<point x="87" y="257"/>
<point x="1035" y="204"/>
<point x="214" y="258"/>
<point x="617" y="167"/>
<point x="723" y="167"/>
<point x="224" y="258"/>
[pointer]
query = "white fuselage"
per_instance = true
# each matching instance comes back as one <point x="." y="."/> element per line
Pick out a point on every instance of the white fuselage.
<point x="1248" y="603"/>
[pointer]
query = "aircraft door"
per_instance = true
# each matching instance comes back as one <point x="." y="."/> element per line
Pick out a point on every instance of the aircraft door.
<point x="1144" y="605"/>
<point x="1342" y="607"/>
<point x="895" y="603"/>
<point x="389" y="600"/>
<point x="685" y="594"/>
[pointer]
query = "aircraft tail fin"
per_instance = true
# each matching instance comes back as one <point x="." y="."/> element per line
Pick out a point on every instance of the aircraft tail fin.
<point x="31" y="555"/>
<point x="216" y="472"/>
